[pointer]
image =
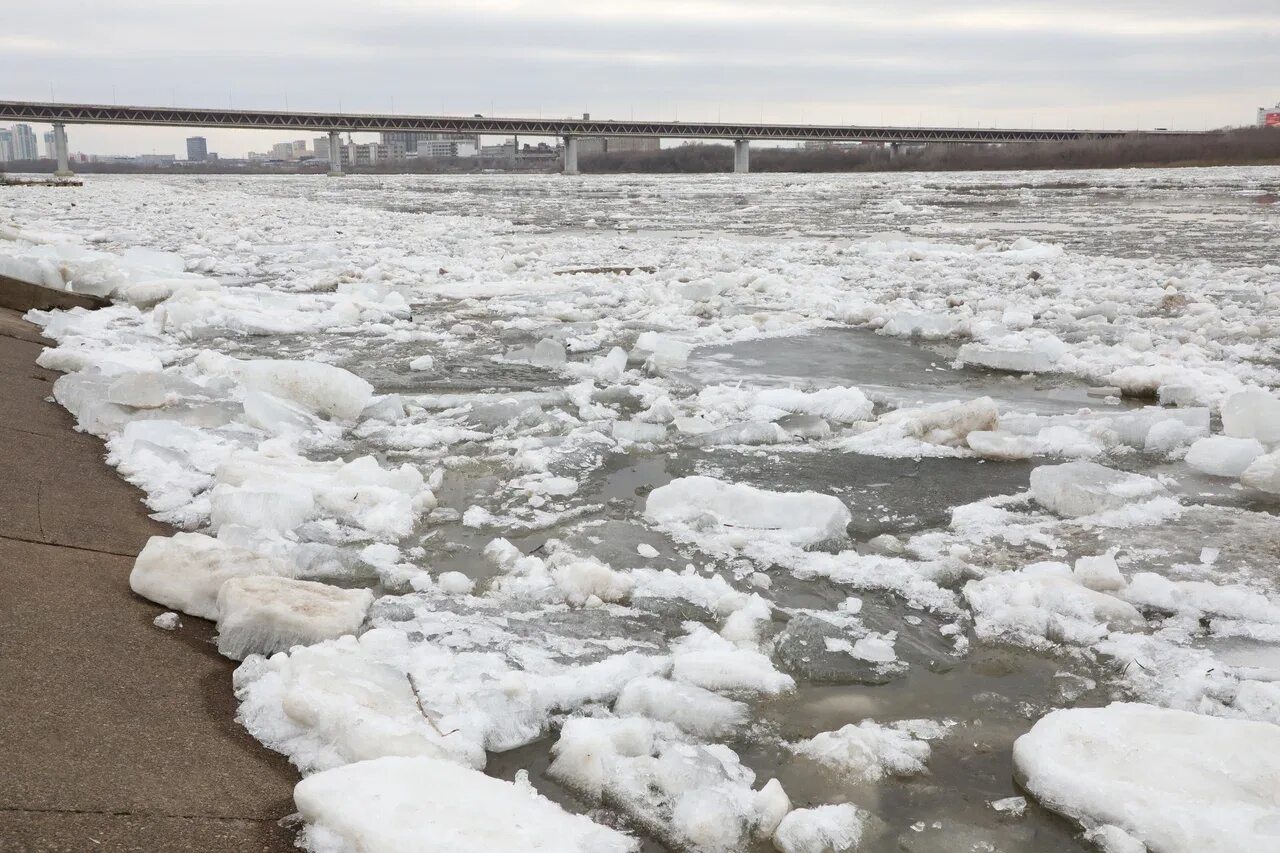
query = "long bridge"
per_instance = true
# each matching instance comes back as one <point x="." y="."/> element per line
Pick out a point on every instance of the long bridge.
<point x="570" y="130"/>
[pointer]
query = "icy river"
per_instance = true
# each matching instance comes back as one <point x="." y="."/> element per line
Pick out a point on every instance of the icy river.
<point x="923" y="512"/>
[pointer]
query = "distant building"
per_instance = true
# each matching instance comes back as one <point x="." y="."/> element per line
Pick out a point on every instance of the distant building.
<point x="50" y="145"/>
<point x="372" y="153"/>
<point x="606" y="144"/>
<point x="501" y="150"/>
<point x="25" y="146"/>
<point x="321" y="147"/>
<point x="428" y="148"/>
<point x="299" y="148"/>
<point x="412" y="140"/>
<point x="197" y="149"/>
<point x="282" y="151"/>
<point x="6" y="145"/>
<point x="1269" y="116"/>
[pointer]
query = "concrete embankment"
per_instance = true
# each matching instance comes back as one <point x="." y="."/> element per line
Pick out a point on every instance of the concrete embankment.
<point x="115" y="736"/>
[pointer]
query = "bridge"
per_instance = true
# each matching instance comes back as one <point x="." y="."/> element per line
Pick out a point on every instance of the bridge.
<point x="570" y="130"/>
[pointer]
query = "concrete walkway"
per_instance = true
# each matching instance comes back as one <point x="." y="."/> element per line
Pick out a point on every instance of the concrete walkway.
<point x="114" y="735"/>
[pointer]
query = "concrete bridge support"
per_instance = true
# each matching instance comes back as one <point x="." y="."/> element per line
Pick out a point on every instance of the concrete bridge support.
<point x="571" y="155"/>
<point x="741" y="156"/>
<point x="335" y="154"/>
<point x="60" y="149"/>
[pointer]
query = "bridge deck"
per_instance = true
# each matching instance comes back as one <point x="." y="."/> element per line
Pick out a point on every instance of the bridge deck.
<point x="320" y="122"/>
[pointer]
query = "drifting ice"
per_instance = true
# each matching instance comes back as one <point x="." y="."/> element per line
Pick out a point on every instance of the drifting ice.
<point x="1085" y="488"/>
<point x="802" y="518"/>
<point x="1179" y="782"/>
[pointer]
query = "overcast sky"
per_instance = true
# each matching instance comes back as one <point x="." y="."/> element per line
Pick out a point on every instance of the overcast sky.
<point x="1039" y="63"/>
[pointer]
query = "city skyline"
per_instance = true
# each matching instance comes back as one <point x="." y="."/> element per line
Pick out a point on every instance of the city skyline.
<point x="1103" y="65"/>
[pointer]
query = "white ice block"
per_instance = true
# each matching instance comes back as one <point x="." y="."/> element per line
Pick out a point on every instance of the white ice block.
<point x="264" y="615"/>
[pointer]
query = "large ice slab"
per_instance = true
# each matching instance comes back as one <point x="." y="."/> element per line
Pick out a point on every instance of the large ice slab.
<point x="1178" y="782"/>
<point x="1223" y="456"/>
<point x="265" y="615"/>
<point x="1046" y="603"/>
<point x="801" y="518"/>
<point x="320" y="388"/>
<point x="1252" y="414"/>
<point x="185" y="571"/>
<point x="1085" y="488"/>
<point x="425" y="805"/>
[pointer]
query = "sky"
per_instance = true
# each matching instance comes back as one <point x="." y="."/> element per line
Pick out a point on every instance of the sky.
<point x="1036" y="63"/>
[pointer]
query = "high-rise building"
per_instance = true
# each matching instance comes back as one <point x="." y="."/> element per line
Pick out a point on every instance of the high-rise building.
<point x="24" y="143"/>
<point x="50" y="145"/>
<point x="197" y="149"/>
<point x="6" y="145"/>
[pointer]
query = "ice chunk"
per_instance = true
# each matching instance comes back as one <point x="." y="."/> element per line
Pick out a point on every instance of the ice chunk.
<point x="337" y="702"/>
<point x="1099" y="573"/>
<point x="139" y="390"/>
<point x="1011" y="806"/>
<point x="1263" y="473"/>
<point x="691" y="796"/>
<point x="455" y="583"/>
<point x="801" y="518"/>
<point x="639" y="431"/>
<point x="1252" y="414"/>
<point x="996" y="444"/>
<point x="708" y="660"/>
<point x="422" y="362"/>
<point x="746" y="433"/>
<point x="275" y="506"/>
<point x="167" y="621"/>
<point x="425" y="805"/>
<point x="1224" y="456"/>
<point x="265" y="615"/>
<point x="824" y="829"/>
<point x="869" y="751"/>
<point x="839" y="404"/>
<point x="1176" y="781"/>
<point x="548" y="353"/>
<point x="644" y="549"/>
<point x="1035" y="605"/>
<point x="662" y="353"/>
<point x="320" y="388"/>
<point x="1085" y="488"/>
<point x="1039" y="356"/>
<point x="695" y="710"/>
<point x="186" y="570"/>
<point x="947" y="424"/>
<point x="278" y="417"/>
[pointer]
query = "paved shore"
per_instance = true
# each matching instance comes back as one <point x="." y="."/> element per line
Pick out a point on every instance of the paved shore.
<point x="114" y="735"/>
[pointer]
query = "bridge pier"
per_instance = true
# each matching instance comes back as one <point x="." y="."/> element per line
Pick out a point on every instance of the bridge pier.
<point x="335" y="154"/>
<point x="571" y="155"/>
<point x="741" y="156"/>
<point x="60" y="149"/>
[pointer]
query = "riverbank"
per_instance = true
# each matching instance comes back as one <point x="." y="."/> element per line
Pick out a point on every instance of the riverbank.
<point x="116" y="737"/>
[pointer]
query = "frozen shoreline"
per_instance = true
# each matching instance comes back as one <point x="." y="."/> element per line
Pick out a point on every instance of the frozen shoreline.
<point x="306" y="475"/>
